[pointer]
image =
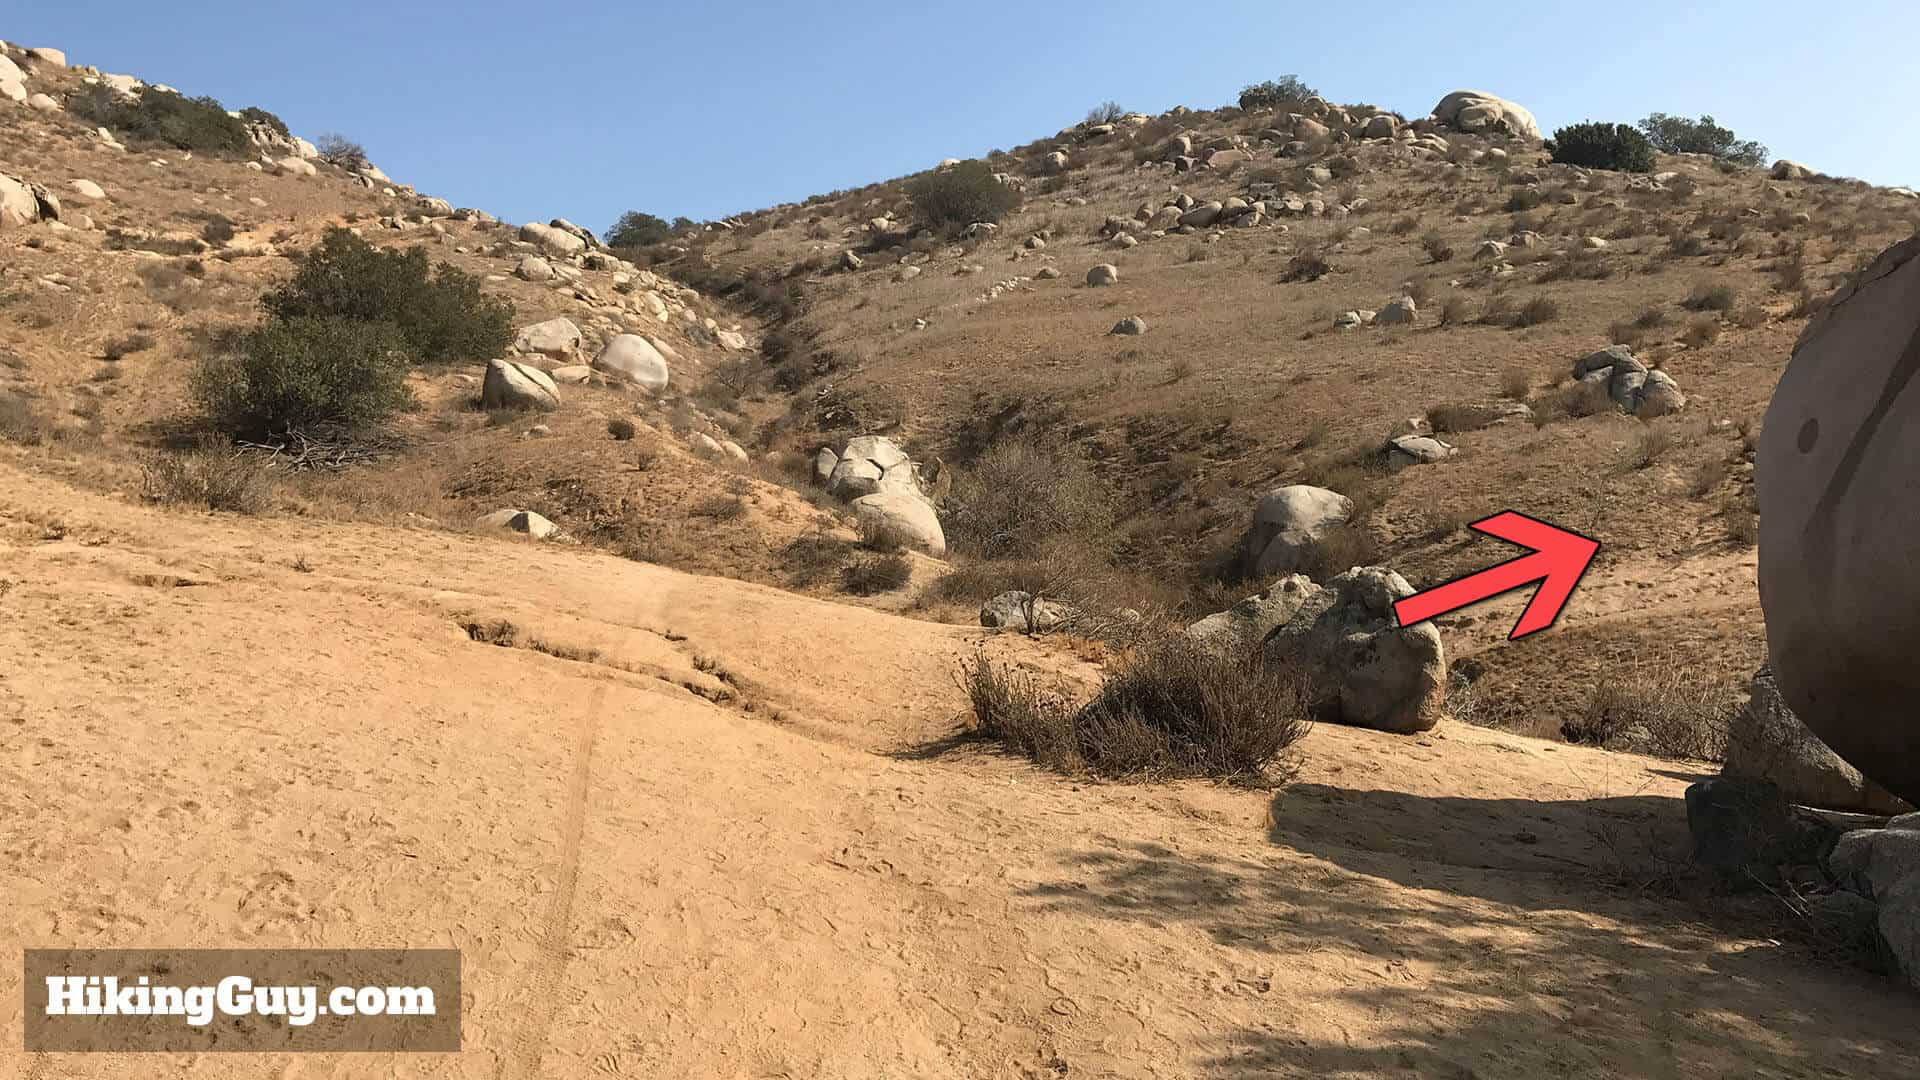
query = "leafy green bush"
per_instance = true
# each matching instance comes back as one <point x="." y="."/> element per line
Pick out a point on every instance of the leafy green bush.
<point x="961" y="195"/>
<point x="305" y="374"/>
<point x="254" y="115"/>
<point x="441" y="312"/>
<point x="1602" y="146"/>
<point x="156" y="116"/>
<point x="1679" y="135"/>
<point x="1273" y="92"/>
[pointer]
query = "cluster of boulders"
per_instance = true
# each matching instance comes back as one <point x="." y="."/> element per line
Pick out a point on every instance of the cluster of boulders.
<point x="1481" y="113"/>
<point x="886" y="488"/>
<point x="1362" y="667"/>
<point x="1401" y="311"/>
<point x="1630" y="383"/>
<point x="13" y="78"/>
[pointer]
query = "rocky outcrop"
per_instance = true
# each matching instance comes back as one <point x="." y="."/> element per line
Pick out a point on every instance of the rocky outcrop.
<point x="1838" y="582"/>
<point x="1288" y="525"/>
<point x="23" y="202"/>
<point x="1643" y="393"/>
<point x="1365" y="669"/>
<point x="1483" y="113"/>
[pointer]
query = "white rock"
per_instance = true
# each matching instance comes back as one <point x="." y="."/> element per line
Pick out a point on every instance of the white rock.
<point x="633" y="358"/>
<point x="906" y="513"/>
<point x="558" y="338"/>
<point x="511" y="385"/>
<point x="522" y="521"/>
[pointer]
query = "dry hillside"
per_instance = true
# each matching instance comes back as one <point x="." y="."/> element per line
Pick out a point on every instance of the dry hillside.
<point x="694" y="783"/>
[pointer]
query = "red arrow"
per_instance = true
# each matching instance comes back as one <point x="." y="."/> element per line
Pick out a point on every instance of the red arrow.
<point x="1559" y="559"/>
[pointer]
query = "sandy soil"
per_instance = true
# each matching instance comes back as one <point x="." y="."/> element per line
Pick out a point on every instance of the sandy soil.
<point x="741" y="842"/>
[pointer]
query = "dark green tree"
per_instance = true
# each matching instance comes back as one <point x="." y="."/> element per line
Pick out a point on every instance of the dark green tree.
<point x="635" y="229"/>
<point x="1679" y="135"/>
<point x="1602" y="146"/>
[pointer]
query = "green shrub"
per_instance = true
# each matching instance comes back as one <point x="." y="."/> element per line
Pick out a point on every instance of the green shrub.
<point x="1602" y="146"/>
<point x="1679" y="135"/>
<point x="1275" y="92"/>
<point x="636" y="229"/>
<point x="156" y="116"/>
<point x="253" y="115"/>
<point x="305" y="374"/>
<point x="442" y="313"/>
<point x="1174" y="711"/>
<point x="961" y="195"/>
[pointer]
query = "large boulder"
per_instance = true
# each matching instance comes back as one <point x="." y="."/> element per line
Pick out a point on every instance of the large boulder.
<point x="1835" y="473"/>
<point x="511" y="385"/>
<point x="633" y="358"/>
<point x="1288" y="525"/>
<point x="905" y="513"/>
<point x="1790" y="170"/>
<point x="871" y="464"/>
<point x="1365" y="669"/>
<point x="552" y="240"/>
<point x="1479" y="111"/>
<point x="1765" y="741"/>
<point x="1883" y="866"/>
<point x="558" y="338"/>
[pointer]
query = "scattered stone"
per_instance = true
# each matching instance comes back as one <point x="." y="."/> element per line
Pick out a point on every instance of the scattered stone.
<point x="534" y="268"/>
<point x="522" y="521"/>
<point x="1400" y="312"/>
<point x="1132" y="324"/>
<point x="1790" y="170"/>
<point x="1405" y="451"/>
<point x="1022" y="611"/>
<point x="1288" y="524"/>
<point x="511" y="385"/>
<point x="1103" y="274"/>
<point x="558" y="338"/>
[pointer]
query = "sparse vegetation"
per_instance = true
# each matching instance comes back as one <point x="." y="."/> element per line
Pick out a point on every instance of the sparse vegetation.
<point x="338" y="150"/>
<point x="209" y="478"/>
<point x="1658" y="705"/>
<point x="1023" y="494"/>
<point x="1602" y="146"/>
<point x="877" y="574"/>
<point x="1107" y="112"/>
<point x="1308" y="266"/>
<point x="1705" y="297"/>
<point x="1173" y="711"/>
<point x="1436" y="247"/>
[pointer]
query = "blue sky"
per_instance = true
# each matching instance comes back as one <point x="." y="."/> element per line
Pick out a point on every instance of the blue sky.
<point x="584" y="110"/>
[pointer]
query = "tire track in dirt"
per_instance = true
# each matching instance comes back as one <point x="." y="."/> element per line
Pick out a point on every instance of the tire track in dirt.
<point x="530" y="1041"/>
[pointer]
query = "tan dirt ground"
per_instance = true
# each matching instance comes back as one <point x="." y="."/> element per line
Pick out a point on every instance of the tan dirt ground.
<point x="808" y="877"/>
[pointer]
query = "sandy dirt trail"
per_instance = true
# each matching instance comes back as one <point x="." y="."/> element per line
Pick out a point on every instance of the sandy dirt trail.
<point x="734" y="844"/>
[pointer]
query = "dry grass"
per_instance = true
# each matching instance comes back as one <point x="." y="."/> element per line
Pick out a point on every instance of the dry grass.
<point x="1662" y="705"/>
<point x="208" y="479"/>
<point x="878" y="574"/>
<point x="1172" y="711"/>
